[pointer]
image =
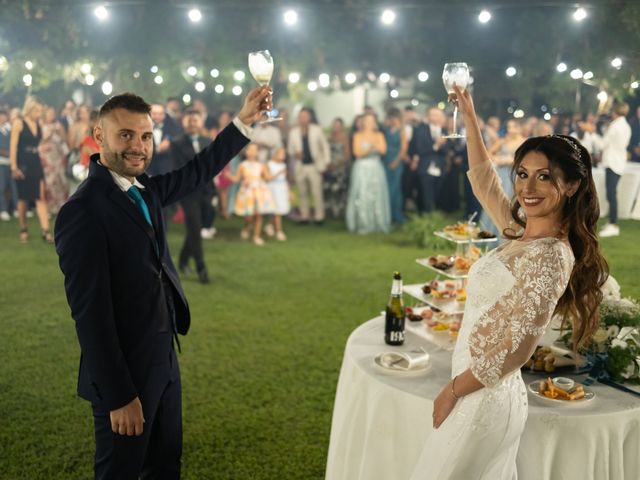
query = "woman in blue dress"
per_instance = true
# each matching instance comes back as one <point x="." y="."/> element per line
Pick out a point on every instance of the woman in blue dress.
<point x="368" y="208"/>
<point x="393" y="161"/>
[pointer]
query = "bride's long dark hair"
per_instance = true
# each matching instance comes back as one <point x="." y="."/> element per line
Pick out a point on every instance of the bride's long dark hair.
<point x="581" y="300"/>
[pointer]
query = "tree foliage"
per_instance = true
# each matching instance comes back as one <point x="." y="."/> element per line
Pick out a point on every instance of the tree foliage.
<point x="58" y="36"/>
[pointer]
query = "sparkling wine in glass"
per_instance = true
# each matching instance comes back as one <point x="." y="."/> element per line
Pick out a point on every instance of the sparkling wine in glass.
<point x="458" y="74"/>
<point x="261" y="67"/>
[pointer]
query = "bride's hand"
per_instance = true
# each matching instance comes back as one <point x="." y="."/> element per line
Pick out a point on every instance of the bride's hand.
<point x="443" y="405"/>
<point x="463" y="100"/>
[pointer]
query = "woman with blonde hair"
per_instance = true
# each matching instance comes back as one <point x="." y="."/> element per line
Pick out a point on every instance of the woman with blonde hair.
<point x="26" y="167"/>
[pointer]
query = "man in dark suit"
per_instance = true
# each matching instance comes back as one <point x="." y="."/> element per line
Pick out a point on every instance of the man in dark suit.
<point x="428" y="155"/>
<point x="183" y="150"/>
<point x="165" y="130"/>
<point x="123" y="290"/>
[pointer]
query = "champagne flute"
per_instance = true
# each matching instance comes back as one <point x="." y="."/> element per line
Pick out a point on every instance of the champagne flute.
<point x="261" y="68"/>
<point x="458" y="74"/>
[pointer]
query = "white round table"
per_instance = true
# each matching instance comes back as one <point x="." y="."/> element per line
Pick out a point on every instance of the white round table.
<point x="380" y="421"/>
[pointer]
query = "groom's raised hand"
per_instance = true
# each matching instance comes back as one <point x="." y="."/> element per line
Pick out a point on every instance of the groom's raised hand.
<point x="256" y="103"/>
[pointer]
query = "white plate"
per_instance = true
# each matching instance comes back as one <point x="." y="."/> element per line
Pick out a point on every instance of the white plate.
<point x="534" y="388"/>
<point x="397" y="371"/>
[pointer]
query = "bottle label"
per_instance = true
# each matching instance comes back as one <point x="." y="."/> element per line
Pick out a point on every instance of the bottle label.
<point x="396" y="288"/>
<point x="396" y="336"/>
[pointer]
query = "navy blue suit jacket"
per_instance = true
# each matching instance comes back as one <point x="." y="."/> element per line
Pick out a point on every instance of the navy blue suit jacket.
<point x="422" y="145"/>
<point x="114" y="278"/>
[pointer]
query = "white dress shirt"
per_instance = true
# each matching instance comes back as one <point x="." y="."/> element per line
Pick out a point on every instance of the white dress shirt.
<point x="613" y="145"/>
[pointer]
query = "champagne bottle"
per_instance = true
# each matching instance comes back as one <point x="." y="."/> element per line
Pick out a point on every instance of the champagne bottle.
<point x="394" y="321"/>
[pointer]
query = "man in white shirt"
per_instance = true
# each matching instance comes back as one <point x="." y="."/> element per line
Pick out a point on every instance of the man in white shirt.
<point x="613" y="145"/>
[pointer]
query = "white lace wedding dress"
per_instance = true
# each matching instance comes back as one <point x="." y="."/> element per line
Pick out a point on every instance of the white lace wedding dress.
<point x="511" y="295"/>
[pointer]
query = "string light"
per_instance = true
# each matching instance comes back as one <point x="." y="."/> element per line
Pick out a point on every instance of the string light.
<point x="192" y="71"/>
<point x="350" y="78"/>
<point x="312" y="86"/>
<point x="423" y="76"/>
<point x="294" y="77"/>
<point x="215" y="73"/>
<point x="580" y="14"/>
<point x="200" y="86"/>
<point x="102" y="13"/>
<point x="484" y="16"/>
<point x="561" y="67"/>
<point x="290" y="17"/>
<point x="384" y="77"/>
<point x="237" y="90"/>
<point x="511" y="71"/>
<point x="195" y="15"/>
<point x="324" y="80"/>
<point x="107" y="88"/>
<point x="388" y="17"/>
<point x="218" y="88"/>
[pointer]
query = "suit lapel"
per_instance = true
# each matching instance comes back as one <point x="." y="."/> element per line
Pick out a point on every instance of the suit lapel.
<point x="121" y="199"/>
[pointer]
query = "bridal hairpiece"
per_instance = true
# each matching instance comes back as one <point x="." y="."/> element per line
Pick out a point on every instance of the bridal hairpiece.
<point x="571" y="143"/>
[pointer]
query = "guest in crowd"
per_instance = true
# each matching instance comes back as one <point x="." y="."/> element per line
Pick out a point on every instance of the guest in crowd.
<point x="173" y="109"/>
<point x="368" y="207"/>
<point x="394" y="160"/>
<point x="634" y="143"/>
<point x="183" y="150"/>
<point x="268" y="138"/>
<point x="336" y="177"/>
<point x="210" y="122"/>
<point x="26" y="167"/>
<point x="502" y="154"/>
<point x="584" y="131"/>
<point x="53" y="153"/>
<point x="77" y="132"/>
<point x="411" y="197"/>
<point x="164" y="132"/>
<point x="284" y="125"/>
<point x="613" y="145"/>
<point x="8" y="191"/>
<point x="279" y="188"/>
<point x="68" y="115"/>
<point x="253" y="199"/>
<point x="427" y="155"/>
<point x="308" y="147"/>
<point x="88" y="145"/>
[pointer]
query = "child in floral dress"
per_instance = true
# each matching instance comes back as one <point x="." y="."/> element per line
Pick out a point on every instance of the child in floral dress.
<point x="254" y="198"/>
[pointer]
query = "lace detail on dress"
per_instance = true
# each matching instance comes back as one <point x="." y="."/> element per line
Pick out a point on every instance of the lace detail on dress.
<point x="505" y="332"/>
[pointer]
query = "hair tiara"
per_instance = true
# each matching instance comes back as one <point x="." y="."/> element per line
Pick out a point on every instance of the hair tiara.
<point x="571" y="143"/>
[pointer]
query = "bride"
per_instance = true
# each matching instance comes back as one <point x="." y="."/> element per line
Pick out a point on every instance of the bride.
<point x="550" y="264"/>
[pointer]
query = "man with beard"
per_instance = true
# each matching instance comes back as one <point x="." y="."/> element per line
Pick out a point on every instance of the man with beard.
<point x="124" y="291"/>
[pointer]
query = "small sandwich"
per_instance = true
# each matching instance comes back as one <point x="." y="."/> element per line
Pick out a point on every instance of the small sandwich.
<point x="550" y="390"/>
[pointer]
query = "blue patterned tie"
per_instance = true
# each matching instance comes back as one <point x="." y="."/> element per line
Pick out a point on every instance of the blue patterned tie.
<point x="135" y="194"/>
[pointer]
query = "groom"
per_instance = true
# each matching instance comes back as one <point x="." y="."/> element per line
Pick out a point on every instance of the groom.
<point x="123" y="289"/>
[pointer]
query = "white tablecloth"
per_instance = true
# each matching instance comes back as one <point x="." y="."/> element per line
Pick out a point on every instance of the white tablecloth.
<point x="381" y="420"/>
<point x="628" y="192"/>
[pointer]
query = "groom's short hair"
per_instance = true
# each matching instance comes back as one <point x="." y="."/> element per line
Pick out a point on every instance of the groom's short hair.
<point x="127" y="101"/>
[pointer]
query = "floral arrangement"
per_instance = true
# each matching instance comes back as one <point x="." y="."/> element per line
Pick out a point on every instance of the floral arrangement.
<point x="616" y="344"/>
<point x="614" y="350"/>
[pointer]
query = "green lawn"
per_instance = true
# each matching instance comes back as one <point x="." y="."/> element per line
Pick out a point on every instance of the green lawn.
<point x="259" y="366"/>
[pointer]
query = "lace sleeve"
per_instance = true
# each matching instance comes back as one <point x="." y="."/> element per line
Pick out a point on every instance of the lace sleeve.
<point x="506" y="334"/>
<point x="487" y="188"/>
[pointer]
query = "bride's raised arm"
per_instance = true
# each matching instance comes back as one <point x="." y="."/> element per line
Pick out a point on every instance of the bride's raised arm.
<point x="484" y="180"/>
